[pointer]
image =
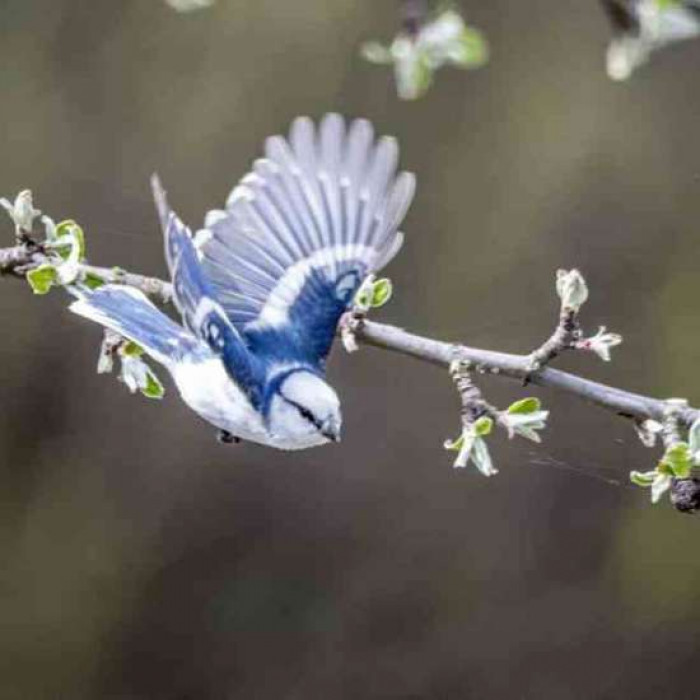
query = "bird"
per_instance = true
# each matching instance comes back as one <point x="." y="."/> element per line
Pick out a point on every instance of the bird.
<point x="643" y="26"/>
<point x="261" y="287"/>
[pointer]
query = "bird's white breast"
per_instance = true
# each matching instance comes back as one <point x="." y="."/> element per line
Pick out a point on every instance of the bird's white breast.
<point x="208" y="390"/>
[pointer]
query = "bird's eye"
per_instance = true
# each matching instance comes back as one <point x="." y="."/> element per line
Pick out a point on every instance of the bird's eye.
<point x="304" y="412"/>
<point x="307" y="415"/>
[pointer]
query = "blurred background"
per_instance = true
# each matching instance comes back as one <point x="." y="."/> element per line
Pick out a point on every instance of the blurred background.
<point x="142" y="560"/>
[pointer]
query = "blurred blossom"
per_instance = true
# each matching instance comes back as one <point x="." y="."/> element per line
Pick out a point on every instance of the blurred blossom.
<point x="189" y="5"/>
<point x="442" y="40"/>
<point x="642" y="26"/>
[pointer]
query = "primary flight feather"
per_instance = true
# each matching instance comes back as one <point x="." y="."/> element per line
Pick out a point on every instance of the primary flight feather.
<point x="262" y="286"/>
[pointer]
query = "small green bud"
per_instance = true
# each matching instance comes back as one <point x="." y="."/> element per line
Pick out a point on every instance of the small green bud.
<point x="381" y="293"/>
<point x="525" y="406"/>
<point x="678" y="459"/>
<point x="644" y="479"/>
<point x="483" y="426"/>
<point x="42" y="278"/>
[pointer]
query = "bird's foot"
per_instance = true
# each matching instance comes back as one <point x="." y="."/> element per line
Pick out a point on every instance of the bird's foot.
<point x="226" y="438"/>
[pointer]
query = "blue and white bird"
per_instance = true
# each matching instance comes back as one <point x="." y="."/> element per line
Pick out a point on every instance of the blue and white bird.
<point x="262" y="286"/>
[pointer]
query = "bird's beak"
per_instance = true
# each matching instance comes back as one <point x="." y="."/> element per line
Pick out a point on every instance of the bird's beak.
<point x="331" y="430"/>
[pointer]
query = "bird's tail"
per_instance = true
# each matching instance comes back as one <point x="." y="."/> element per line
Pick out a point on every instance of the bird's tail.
<point x="128" y="312"/>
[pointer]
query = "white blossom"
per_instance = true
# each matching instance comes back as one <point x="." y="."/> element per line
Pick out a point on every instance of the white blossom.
<point x="649" y="431"/>
<point x="443" y="40"/>
<point x="189" y="5"/>
<point x="642" y="27"/>
<point x="657" y="481"/>
<point x="68" y="271"/>
<point x="471" y="447"/>
<point x="524" y="424"/>
<point x="134" y="373"/>
<point x="659" y="486"/>
<point x="22" y="210"/>
<point x="600" y="343"/>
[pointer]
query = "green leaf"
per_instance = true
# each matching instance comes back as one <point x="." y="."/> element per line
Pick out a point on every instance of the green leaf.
<point x="664" y="468"/>
<point x="131" y="349"/>
<point x="678" y="459"/>
<point x="93" y="281"/>
<point x="381" y="293"/>
<point x="472" y="49"/>
<point x="528" y="405"/>
<point x="42" y="278"/>
<point x="153" y="389"/>
<point x="363" y="299"/>
<point x="483" y="426"/>
<point x="644" y="479"/>
<point x="455" y="445"/>
<point x="69" y="229"/>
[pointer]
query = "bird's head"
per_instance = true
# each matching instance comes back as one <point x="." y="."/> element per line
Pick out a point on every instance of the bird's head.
<point x="304" y="411"/>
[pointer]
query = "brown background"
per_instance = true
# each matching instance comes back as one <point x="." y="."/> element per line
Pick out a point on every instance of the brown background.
<point x="141" y="560"/>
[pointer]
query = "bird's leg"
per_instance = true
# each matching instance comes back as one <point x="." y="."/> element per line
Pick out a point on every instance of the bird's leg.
<point x="226" y="438"/>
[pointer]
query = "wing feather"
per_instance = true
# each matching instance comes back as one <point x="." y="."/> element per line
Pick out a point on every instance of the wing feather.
<point x="316" y="215"/>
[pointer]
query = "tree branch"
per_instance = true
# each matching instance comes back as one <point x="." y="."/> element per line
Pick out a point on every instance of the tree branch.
<point x="151" y="286"/>
<point x="19" y="260"/>
<point x="517" y="367"/>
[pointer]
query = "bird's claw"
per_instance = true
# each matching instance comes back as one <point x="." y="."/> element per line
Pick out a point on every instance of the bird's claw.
<point x="226" y="438"/>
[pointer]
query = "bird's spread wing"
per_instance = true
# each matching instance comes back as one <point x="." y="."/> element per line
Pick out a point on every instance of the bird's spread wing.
<point x="197" y="302"/>
<point x="299" y="234"/>
<point x="128" y="312"/>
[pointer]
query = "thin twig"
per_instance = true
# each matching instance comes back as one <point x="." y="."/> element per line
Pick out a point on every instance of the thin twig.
<point x="565" y="336"/>
<point x="17" y="260"/>
<point x="517" y="367"/>
<point x="151" y="286"/>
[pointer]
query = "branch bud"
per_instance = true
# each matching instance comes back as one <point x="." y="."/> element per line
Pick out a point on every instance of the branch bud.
<point x="572" y="289"/>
